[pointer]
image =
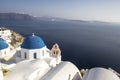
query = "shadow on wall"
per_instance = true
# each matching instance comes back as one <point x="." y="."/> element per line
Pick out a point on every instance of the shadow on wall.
<point x="76" y="77"/>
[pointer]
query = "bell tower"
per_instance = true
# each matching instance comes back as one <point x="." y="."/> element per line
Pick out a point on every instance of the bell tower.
<point x="56" y="52"/>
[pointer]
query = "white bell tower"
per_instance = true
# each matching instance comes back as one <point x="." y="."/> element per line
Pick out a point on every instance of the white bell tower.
<point x="56" y="52"/>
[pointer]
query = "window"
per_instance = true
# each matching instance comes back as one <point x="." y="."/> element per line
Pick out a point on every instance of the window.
<point x="25" y="55"/>
<point x="35" y="55"/>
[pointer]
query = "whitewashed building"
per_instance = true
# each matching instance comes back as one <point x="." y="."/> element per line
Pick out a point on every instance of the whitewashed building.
<point x="33" y="47"/>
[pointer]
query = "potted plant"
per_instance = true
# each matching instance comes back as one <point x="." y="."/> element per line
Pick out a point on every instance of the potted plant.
<point x="5" y="72"/>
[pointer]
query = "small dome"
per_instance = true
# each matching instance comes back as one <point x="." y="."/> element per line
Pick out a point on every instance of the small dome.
<point x="2" y="39"/>
<point x="33" y="42"/>
<point x="100" y="74"/>
<point x="3" y="44"/>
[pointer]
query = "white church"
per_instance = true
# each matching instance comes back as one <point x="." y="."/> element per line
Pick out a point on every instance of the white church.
<point x="36" y="62"/>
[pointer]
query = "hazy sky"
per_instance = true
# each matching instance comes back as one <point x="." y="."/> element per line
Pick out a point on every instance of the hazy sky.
<point x="102" y="10"/>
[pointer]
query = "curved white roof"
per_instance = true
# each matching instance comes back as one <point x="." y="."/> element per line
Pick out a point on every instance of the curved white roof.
<point x="63" y="71"/>
<point x="100" y="74"/>
<point x="27" y="70"/>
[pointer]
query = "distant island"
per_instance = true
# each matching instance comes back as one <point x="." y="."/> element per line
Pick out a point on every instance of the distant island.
<point x="21" y="16"/>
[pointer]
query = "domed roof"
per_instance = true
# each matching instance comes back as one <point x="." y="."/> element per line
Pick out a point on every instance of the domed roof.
<point x="2" y="39"/>
<point x="100" y="74"/>
<point x="3" y="44"/>
<point x="33" y="42"/>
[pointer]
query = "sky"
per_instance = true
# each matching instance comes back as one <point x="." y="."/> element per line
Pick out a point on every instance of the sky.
<point x="100" y="10"/>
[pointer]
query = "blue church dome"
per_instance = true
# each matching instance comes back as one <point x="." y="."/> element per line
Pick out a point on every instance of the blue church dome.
<point x="3" y="44"/>
<point x="2" y="39"/>
<point x="33" y="42"/>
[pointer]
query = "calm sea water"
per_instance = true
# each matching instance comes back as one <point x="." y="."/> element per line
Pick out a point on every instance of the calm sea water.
<point x="85" y="44"/>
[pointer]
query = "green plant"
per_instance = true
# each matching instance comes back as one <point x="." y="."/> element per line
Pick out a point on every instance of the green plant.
<point x="5" y="70"/>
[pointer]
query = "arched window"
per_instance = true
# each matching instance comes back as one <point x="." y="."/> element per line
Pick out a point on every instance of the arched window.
<point x="54" y="53"/>
<point x="25" y="55"/>
<point x="35" y="55"/>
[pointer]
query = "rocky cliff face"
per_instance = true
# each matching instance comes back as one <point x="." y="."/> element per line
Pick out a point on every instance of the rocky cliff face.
<point x="15" y="16"/>
<point x="17" y="39"/>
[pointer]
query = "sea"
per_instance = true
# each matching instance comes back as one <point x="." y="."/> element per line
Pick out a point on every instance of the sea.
<point x="87" y="44"/>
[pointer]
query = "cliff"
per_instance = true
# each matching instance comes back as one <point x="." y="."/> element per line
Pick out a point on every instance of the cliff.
<point x="17" y="39"/>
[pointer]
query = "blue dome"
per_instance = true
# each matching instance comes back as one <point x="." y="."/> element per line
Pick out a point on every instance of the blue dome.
<point x="3" y="44"/>
<point x="2" y="39"/>
<point x="33" y="42"/>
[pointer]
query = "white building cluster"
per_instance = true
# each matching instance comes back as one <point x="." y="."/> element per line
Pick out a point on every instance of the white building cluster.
<point x="36" y="62"/>
<point x="5" y="34"/>
<point x="5" y="47"/>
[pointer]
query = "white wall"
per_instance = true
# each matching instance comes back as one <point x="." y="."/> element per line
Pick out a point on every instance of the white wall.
<point x="1" y="75"/>
<point x="5" y="52"/>
<point x="41" y="53"/>
<point x="58" y="59"/>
